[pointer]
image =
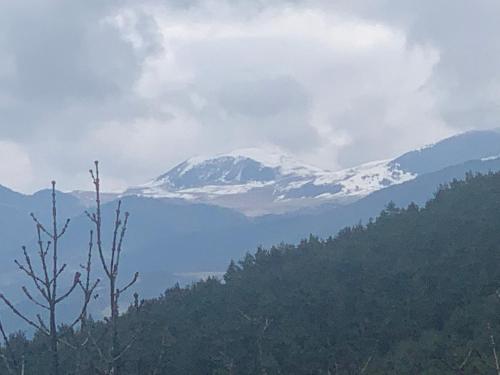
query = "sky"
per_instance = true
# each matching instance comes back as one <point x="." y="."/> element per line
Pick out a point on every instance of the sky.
<point x="143" y="85"/>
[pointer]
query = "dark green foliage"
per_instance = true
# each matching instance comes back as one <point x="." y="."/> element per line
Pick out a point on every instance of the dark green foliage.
<point x="412" y="292"/>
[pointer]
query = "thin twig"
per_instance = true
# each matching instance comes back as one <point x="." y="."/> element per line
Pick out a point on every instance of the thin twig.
<point x="494" y="349"/>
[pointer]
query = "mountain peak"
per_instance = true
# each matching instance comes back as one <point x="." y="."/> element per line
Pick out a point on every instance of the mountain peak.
<point x="266" y="157"/>
<point x="258" y="181"/>
<point x="269" y="157"/>
<point x="241" y="166"/>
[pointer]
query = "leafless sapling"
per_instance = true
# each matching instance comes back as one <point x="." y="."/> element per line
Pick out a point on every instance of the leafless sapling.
<point x="110" y="262"/>
<point x="45" y="278"/>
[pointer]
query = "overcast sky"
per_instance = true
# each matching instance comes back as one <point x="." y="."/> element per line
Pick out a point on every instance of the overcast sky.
<point x="142" y="85"/>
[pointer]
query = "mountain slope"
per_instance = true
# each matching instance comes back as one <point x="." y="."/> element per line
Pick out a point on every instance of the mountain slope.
<point x="414" y="292"/>
<point x="473" y="145"/>
<point x="328" y="219"/>
<point x="16" y="225"/>
<point x="172" y="239"/>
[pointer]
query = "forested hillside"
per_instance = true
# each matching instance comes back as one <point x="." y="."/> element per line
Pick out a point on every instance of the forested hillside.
<point x="413" y="292"/>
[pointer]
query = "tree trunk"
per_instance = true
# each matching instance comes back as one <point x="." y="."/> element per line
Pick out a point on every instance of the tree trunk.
<point x="115" y="345"/>
<point x="53" y="341"/>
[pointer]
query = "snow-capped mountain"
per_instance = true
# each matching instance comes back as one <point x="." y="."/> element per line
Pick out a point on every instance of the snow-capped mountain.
<point x="258" y="182"/>
<point x="182" y="240"/>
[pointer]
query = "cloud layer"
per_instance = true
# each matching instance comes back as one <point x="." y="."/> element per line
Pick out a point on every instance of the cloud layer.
<point x="141" y="86"/>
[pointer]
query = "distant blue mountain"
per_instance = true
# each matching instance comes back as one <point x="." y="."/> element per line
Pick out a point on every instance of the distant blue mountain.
<point x="172" y="239"/>
<point x="328" y="220"/>
<point x="459" y="149"/>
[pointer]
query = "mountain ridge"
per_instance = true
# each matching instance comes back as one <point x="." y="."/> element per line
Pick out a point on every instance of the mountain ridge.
<point x="257" y="182"/>
<point x="413" y="291"/>
<point x="280" y="185"/>
<point x="173" y="239"/>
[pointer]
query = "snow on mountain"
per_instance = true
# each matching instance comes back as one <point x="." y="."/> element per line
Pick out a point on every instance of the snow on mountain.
<point x="241" y="167"/>
<point x="257" y="182"/>
<point x="366" y="178"/>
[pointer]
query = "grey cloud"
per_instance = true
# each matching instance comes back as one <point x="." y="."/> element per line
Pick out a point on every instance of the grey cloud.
<point x="264" y="97"/>
<point x="467" y="78"/>
<point x="74" y="86"/>
<point x="71" y="70"/>
<point x="67" y="59"/>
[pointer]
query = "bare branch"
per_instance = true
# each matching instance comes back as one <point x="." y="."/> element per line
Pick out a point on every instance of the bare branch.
<point x="65" y="227"/>
<point x="245" y="315"/>
<point x="47" y="247"/>
<point x="494" y="350"/>
<point x="32" y="299"/>
<point x="42" y="323"/>
<point x="87" y="268"/>
<point x="33" y="277"/>
<point x="464" y="362"/>
<point x="22" y="316"/>
<point x="70" y="290"/>
<point x="61" y="270"/>
<point x="30" y="271"/>
<point x="9" y="362"/>
<point x="125" y="349"/>
<point x="92" y="216"/>
<point x="88" y="296"/>
<point x="132" y="282"/>
<point x="98" y="349"/>
<point x="68" y="344"/>
<point x="116" y="228"/>
<point x="43" y="258"/>
<point x="367" y="363"/>
<point x="96" y="217"/>
<point x="120" y="242"/>
<point x="40" y="225"/>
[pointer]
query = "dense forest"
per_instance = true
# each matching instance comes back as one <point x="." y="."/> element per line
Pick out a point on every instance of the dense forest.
<point x="414" y="291"/>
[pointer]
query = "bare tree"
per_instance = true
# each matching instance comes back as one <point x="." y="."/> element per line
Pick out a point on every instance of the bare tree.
<point x="110" y="262"/>
<point x="46" y="282"/>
